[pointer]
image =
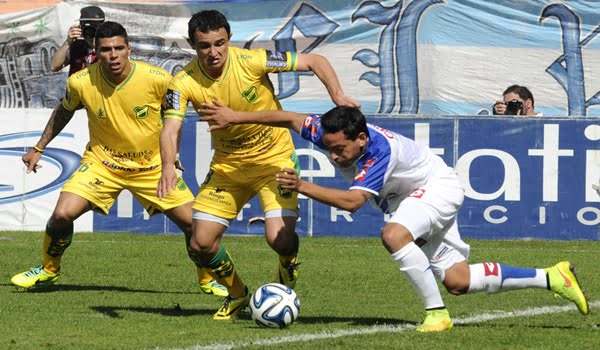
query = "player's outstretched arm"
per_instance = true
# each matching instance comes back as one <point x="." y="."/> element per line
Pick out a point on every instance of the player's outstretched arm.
<point x="325" y="72"/>
<point x="58" y="120"/>
<point x="350" y="200"/>
<point x="221" y="116"/>
<point x="169" y="144"/>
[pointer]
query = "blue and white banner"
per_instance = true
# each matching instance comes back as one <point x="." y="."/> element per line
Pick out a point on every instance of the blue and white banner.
<point x="452" y="57"/>
<point x="524" y="177"/>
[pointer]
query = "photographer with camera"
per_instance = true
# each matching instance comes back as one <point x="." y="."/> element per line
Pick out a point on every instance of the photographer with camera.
<point x="517" y="100"/>
<point x="78" y="51"/>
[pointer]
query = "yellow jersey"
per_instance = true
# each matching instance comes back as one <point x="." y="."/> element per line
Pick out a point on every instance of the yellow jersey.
<point x="124" y="120"/>
<point x="243" y="86"/>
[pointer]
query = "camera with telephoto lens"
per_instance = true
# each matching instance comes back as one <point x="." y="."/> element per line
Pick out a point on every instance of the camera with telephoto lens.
<point x="514" y="106"/>
<point x="88" y="31"/>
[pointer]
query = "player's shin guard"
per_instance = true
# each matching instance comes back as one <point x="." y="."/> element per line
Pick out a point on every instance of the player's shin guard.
<point x="224" y="271"/>
<point x="55" y="244"/>
<point x="415" y="266"/>
<point x="493" y="277"/>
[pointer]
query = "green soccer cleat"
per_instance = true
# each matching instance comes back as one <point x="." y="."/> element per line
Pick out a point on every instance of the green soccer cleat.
<point x="435" y="321"/>
<point x="36" y="276"/>
<point x="214" y="287"/>
<point x="563" y="282"/>
<point x="232" y="306"/>
<point x="288" y="275"/>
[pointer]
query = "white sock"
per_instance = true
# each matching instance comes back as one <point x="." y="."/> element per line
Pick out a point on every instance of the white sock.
<point x="415" y="266"/>
<point x="494" y="277"/>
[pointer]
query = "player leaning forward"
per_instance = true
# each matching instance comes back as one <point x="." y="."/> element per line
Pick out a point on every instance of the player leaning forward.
<point x="246" y="157"/>
<point x="123" y="102"/>
<point x="422" y="195"/>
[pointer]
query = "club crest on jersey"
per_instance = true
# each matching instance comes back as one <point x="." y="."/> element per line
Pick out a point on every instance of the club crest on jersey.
<point x="100" y="113"/>
<point x="141" y="112"/>
<point x="363" y="173"/>
<point x="284" y="192"/>
<point x="276" y="59"/>
<point x="172" y="99"/>
<point x="250" y="95"/>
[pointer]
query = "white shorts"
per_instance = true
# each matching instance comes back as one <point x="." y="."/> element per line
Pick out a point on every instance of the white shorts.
<point x="429" y="213"/>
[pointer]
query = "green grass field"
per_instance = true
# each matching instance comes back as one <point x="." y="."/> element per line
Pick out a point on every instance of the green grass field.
<point x="124" y="291"/>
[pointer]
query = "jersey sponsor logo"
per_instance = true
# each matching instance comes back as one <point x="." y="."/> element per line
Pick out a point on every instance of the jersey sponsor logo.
<point x="173" y="99"/>
<point x="157" y="72"/>
<point x="439" y="255"/>
<point x="244" y="56"/>
<point x="141" y="112"/>
<point x="418" y="193"/>
<point x="276" y="59"/>
<point x="250" y="95"/>
<point x="491" y="269"/>
<point x="100" y="113"/>
<point x="363" y="173"/>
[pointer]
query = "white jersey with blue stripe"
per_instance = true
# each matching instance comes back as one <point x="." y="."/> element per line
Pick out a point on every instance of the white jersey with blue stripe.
<point x="391" y="168"/>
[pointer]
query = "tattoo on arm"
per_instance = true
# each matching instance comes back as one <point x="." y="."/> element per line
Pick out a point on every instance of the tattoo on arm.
<point x="58" y="120"/>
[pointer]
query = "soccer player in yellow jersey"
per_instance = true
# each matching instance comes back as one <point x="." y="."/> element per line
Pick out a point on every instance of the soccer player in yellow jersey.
<point x="123" y="100"/>
<point x="246" y="157"/>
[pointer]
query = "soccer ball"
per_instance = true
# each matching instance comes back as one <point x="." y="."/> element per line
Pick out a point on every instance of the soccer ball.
<point x="274" y="305"/>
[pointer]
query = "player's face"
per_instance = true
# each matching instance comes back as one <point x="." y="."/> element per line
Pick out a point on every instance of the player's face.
<point x="212" y="50"/>
<point x="113" y="54"/>
<point x="342" y="151"/>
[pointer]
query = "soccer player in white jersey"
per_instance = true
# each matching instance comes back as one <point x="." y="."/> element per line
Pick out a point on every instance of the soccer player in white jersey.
<point x="421" y="194"/>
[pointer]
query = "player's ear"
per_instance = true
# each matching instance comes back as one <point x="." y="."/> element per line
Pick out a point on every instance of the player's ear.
<point x="362" y="139"/>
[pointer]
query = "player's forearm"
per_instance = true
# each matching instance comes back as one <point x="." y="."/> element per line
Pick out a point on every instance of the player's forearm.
<point x="342" y="199"/>
<point x="59" y="58"/>
<point x="169" y="143"/>
<point x="325" y="72"/>
<point x="281" y="119"/>
<point x="58" y="120"/>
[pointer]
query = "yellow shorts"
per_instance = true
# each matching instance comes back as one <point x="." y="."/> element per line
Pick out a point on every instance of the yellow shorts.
<point x="101" y="187"/>
<point x="228" y="187"/>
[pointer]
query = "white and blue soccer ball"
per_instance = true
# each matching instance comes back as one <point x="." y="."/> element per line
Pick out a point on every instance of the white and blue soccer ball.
<point x="274" y="305"/>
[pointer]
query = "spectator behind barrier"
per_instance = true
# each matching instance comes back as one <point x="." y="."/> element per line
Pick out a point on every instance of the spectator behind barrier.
<point x="78" y="50"/>
<point x="517" y="100"/>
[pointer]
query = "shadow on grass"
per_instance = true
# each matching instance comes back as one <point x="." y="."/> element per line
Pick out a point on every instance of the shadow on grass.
<point x="175" y="311"/>
<point x="79" y="288"/>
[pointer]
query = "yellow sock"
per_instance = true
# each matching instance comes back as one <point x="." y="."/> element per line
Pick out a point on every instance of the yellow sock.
<point x="286" y="260"/>
<point x="204" y="275"/>
<point x="51" y="264"/>
<point x="224" y="271"/>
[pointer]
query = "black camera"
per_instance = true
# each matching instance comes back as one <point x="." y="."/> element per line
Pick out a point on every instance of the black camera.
<point x="513" y="107"/>
<point x="88" y="31"/>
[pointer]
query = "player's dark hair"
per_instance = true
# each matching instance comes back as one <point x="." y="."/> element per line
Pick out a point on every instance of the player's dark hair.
<point x="207" y="21"/>
<point x="522" y="91"/>
<point x="349" y="119"/>
<point x="109" y="29"/>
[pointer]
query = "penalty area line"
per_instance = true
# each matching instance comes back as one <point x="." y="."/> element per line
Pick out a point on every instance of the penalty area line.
<point x="535" y="311"/>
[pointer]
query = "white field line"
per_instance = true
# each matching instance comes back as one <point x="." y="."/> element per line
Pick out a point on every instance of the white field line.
<point x="544" y="310"/>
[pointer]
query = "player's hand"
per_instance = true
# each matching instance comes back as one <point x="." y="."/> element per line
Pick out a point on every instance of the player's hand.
<point x="167" y="182"/>
<point x="499" y="108"/>
<point x="288" y="179"/>
<point x="344" y="100"/>
<point x="31" y="159"/>
<point x="219" y="115"/>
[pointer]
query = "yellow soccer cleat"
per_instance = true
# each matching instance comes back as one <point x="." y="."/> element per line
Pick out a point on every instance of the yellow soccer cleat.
<point x="563" y="282"/>
<point x="232" y="306"/>
<point x="288" y="275"/>
<point x="36" y="276"/>
<point x="214" y="287"/>
<point x="435" y="321"/>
